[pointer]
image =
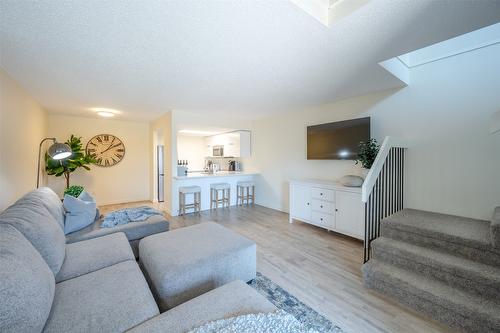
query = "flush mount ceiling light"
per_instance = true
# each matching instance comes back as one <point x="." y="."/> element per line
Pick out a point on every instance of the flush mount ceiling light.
<point x="105" y="112"/>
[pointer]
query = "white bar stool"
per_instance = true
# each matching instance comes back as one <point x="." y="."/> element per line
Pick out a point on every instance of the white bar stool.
<point x="225" y="200"/>
<point x="196" y="205"/>
<point x="242" y="196"/>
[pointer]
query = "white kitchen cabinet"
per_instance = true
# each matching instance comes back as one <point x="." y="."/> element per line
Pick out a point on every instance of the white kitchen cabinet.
<point x="328" y="205"/>
<point x="236" y="144"/>
<point x="245" y="146"/>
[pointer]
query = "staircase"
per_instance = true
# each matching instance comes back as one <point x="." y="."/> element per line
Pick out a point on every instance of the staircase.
<point x="447" y="267"/>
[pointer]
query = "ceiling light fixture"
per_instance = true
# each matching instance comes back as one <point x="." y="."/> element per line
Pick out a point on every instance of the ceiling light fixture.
<point x="105" y="112"/>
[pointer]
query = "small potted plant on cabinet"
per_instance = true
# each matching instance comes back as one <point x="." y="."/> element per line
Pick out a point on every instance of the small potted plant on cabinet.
<point x="367" y="152"/>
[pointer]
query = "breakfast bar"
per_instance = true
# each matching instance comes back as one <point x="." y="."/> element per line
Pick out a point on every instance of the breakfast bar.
<point x="204" y="180"/>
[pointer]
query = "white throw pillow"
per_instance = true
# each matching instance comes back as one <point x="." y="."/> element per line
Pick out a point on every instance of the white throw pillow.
<point x="351" y="181"/>
<point x="80" y="212"/>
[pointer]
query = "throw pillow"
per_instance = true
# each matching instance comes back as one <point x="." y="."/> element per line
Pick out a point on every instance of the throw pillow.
<point x="80" y="212"/>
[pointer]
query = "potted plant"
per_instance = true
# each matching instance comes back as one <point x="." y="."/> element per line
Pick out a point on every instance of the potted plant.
<point x="78" y="159"/>
<point x="367" y="152"/>
<point x="74" y="190"/>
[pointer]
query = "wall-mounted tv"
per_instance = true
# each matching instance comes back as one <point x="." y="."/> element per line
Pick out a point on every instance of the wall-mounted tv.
<point x="338" y="140"/>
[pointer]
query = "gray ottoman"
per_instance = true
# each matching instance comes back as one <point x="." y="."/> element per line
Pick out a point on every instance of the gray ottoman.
<point x="187" y="262"/>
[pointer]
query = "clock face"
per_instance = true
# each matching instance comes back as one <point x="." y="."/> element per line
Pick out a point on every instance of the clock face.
<point x="107" y="149"/>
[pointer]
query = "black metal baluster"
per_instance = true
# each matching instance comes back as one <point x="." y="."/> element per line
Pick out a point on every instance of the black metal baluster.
<point x="403" y="181"/>
<point x="365" y="256"/>
<point x="391" y="185"/>
<point x="386" y="197"/>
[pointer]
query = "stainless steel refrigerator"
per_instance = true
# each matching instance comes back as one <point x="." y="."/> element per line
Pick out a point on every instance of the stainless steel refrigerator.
<point x="161" y="173"/>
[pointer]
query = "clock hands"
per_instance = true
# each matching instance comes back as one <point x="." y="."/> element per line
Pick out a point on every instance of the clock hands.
<point x="111" y="146"/>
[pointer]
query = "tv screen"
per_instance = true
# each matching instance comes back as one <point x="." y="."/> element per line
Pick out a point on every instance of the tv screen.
<point x="337" y="141"/>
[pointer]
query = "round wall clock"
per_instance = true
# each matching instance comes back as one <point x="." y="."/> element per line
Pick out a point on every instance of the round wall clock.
<point x="107" y="149"/>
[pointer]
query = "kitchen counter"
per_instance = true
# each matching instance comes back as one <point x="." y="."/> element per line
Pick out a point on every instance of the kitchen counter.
<point x="194" y="175"/>
<point x="204" y="180"/>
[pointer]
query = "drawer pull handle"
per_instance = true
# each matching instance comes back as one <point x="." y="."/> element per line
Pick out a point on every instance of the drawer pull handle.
<point x="321" y="194"/>
<point x="336" y="210"/>
<point x="321" y="206"/>
<point x="308" y="203"/>
<point x="321" y="219"/>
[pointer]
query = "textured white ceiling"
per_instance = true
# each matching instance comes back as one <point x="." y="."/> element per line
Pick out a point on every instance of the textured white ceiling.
<point x="249" y="57"/>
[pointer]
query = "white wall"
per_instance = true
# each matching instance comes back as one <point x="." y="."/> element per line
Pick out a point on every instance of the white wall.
<point x="23" y="124"/>
<point x="193" y="149"/>
<point x="454" y="162"/>
<point x="126" y="181"/>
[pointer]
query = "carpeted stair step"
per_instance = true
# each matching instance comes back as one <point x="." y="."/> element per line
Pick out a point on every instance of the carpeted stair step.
<point x="451" y="306"/>
<point x="462" y="236"/>
<point x="495" y="228"/>
<point x="471" y="276"/>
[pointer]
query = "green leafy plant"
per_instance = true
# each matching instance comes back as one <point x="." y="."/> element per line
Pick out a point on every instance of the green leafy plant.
<point x="74" y="190"/>
<point x="78" y="159"/>
<point x="367" y="152"/>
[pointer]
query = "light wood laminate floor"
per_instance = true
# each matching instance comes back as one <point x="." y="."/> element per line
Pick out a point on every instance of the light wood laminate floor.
<point x="321" y="268"/>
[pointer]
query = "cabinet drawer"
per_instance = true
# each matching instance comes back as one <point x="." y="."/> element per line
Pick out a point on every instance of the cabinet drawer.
<point x="322" y="206"/>
<point x="320" y="193"/>
<point x="322" y="219"/>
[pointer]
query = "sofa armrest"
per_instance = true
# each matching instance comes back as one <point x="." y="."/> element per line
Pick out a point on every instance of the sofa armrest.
<point x="231" y="300"/>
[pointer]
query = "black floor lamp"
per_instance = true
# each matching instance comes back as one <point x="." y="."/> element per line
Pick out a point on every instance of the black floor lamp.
<point x="57" y="151"/>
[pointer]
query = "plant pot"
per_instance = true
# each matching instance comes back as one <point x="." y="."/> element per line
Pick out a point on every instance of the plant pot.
<point x="364" y="173"/>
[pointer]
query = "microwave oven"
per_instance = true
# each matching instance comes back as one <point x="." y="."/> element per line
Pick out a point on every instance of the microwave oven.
<point x="218" y="151"/>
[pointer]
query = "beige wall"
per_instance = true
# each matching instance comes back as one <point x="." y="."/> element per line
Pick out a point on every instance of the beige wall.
<point x="454" y="161"/>
<point x="126" y="181"/>
<point x="23" y="124"/>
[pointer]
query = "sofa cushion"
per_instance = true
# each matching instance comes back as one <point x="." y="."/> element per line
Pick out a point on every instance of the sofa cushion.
<point x="133" y="230"/>
<point x="32" y="219"/>
<point x="93" y="254"/>
<point x="112" y="299"/>
<point x="230" y="300"/>
<point x="51" y="201"/>
<point x="26" y="284"/>
<point x="80" y="212"/>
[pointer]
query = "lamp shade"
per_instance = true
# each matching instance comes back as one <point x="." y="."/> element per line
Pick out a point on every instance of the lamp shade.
<point x="58" y="151"/>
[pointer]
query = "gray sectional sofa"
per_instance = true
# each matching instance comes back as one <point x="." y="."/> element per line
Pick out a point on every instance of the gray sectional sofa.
<point x="92" y="285"/>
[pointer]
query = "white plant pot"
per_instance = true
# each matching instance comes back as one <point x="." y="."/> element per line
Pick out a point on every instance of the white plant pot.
<point x="364" y="173"/>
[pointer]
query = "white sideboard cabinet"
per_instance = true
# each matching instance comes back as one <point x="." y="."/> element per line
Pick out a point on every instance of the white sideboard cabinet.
<point x="329" y="205"/>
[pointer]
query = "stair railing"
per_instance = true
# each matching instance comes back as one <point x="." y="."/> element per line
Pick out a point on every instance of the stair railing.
<point x="383" y="188"/>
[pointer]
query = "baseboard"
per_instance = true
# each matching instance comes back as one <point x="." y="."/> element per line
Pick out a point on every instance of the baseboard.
<point x="122" y="202"/>
<point x="280" y="209"/>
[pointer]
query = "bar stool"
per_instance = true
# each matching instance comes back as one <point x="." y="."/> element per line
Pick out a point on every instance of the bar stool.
<point x="214" y="195"/>
<point x="242" y="196"/>
<point x="196" y="205"/>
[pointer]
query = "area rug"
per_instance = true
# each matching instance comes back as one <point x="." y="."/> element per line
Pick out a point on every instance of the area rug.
<point x="285" y="301"/>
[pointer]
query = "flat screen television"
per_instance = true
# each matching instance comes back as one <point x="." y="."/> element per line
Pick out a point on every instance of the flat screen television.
<point x="338" y="140"/>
